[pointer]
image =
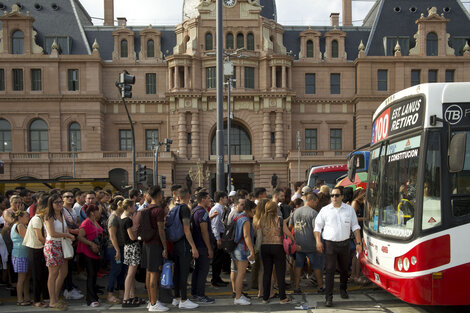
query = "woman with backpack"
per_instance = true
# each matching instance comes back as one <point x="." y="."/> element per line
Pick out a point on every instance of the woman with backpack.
<point x="131" y="253"/>
<point x="272" y="250"/>
<point x="34" y="240"/>
<point x="244" y="252"/>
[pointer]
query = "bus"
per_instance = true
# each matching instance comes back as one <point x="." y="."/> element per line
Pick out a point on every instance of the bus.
<point x="361" y="160"/>
<point x="326" y="173"/>
<point x="417" y="210"/>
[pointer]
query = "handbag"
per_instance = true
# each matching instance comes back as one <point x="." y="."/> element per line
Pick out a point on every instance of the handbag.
<point x="289" y="246"/>
<point x="67" y="248"/>
<point x="166" y="280"/>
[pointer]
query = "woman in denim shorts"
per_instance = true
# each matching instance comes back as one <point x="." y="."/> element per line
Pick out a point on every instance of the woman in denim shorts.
<point x="244" y="251"/>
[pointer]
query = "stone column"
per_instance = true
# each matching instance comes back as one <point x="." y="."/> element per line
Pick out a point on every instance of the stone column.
<point x="290" y="77"/>
<point x="186" y="77"/>
<point x="279" y="135"/>
<point x="195" y="142"/>
<point x="182" y="135"/>
<point x="242" y="77"/>
<point x="177" y="77"/>
<point x="284" y="77"/>
<point x="273" y="77"/>
<point x="239" y="77"/>
<point x="170" y="78"/>
<point x="266" y="136"/>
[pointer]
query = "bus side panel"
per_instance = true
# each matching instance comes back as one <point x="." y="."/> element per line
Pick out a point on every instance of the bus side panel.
<point x="452" y="289"/>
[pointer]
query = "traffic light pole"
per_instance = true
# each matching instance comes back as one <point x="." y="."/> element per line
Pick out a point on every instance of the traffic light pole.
<point x="220" y="172"/>
<point x="134" y="180"/>
<point x="155" y="165"/>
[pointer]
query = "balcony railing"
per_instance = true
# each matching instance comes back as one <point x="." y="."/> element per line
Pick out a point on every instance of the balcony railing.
<point x="57" y="156"/>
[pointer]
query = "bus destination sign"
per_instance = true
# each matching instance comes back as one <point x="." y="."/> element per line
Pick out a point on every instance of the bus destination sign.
<point x="398" y="118"/>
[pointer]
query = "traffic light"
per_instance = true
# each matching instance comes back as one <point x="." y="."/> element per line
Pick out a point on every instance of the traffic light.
<point x="167" y="143"/>
<point x="163" y="181"/>
<point x="125" y="82"/>
<point x="142" y="173"/>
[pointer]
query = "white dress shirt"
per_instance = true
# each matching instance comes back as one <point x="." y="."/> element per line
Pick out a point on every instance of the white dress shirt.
<point x="336" y="223"/>
<point x="216" y="223"/>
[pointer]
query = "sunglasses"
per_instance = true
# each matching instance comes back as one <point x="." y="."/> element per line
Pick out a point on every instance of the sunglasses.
<point x="335" y="195"/>
<point x="68" y="196"/>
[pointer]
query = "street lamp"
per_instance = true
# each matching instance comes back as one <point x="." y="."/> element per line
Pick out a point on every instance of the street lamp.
<point x="299" y="140"/>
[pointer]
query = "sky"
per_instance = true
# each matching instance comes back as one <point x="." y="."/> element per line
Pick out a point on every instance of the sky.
<point x="169" y="12"/>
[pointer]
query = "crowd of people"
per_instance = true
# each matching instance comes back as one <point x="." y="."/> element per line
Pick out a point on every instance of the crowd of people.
<point x="46" y="237"/>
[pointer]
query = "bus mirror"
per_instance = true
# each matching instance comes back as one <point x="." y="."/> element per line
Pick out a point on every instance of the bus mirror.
<point x="352" y="168"/>
<point x="457" y="150"/>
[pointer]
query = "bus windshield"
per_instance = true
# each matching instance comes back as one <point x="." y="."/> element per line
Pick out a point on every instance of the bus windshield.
<point x="391" y="196"/>
<point x="329" y="178"/>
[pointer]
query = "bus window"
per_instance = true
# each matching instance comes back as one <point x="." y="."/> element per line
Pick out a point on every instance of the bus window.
<point x="460" y="186"/>
<point x="432" y="184"/>
<point x="392" y="188"/>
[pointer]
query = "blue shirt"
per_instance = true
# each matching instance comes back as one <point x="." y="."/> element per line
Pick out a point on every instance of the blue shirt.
<point x="200" y="215"/>
<point x="241" y="219"/>
<point x="19" y="251"/>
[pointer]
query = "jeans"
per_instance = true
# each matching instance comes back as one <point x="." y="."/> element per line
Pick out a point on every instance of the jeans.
<point x="336" y="252"/>
<point x="273" y="255"/>
<point x="92" y="266"/>
<point x="117" y="273"/>
<point x="198" y="279"/>
<point x="39" y="274"/>
<point x="217" y="262"/>
<point x="182" y="257"/>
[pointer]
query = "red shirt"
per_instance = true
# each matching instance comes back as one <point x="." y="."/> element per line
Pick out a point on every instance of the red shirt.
<point x="91" y="232"/>
<point x="157" y="215"/>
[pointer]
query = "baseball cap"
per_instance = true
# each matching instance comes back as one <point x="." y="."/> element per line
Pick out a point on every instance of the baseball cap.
<point x="306" y="190"/>
<point x="232" y="193"/>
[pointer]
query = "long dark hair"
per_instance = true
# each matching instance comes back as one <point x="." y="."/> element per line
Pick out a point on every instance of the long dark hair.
<point x="50" y="206"/>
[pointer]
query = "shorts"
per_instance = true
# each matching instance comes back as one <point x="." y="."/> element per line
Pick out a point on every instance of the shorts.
<point x="316" y="259"/>
<point x="132" y="254"/>
<point x="152" y="258"/>
<point x="53" y="253"/>
<point x="20" y="265"/>
<point x="240" y="253"/>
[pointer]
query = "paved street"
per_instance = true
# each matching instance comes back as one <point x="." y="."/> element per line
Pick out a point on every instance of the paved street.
<point x="362" y="299"/>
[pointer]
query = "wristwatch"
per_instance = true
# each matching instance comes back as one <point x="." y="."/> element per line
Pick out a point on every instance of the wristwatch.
<point x="358" y="244"/>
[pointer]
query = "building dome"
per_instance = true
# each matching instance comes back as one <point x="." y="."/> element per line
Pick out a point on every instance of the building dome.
<point x="268" y="11"/>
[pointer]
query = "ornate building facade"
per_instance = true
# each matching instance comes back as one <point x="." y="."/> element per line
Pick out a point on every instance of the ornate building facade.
<point x="59" y="105"/>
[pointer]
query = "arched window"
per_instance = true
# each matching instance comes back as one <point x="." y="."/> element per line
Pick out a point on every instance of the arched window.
<point x="150" y="48"/>
<point x="209" y="42"/>
<point x="124" y="49"/>
<point x="250" y="42"/>
<point x="240" y="41"/>
<point x="431" y="44"/>
<point x="309" y="49"/>
<point x="334" y="49"/>
<point x="75" y="137"/>
<point x="229" y="41"/>
<point x="38" y="136"/>
<point x="5" y="136"/>
<point x="240" y="141"/>
<point x="17" y="42"/>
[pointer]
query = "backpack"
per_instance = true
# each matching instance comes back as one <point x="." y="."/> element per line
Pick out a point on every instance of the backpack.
<point x="228" y="238"/>
<point x="142" y="225"/>
<point x="173" y="226"/>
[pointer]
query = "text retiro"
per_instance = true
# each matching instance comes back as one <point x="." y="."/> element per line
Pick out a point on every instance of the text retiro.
<point x="406" y="115"/>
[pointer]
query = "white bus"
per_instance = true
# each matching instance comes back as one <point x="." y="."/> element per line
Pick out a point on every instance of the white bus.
<point x="417" y="211"/>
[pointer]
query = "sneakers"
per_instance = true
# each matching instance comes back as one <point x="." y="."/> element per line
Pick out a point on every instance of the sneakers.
<point x="188" y="304"/>
<point x="175" y="302"/>
<point x="241" y="301"/>
<point x="321" y="291"/>
<point x="158" y="307"/>
<point x="95" y="304"/>
<point x="205" y="300"/>
<point x="72" y="295"/>
<point x="344" y="294"/>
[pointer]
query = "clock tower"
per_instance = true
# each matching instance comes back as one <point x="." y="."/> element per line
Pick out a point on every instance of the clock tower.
<point x="268" y="7"/>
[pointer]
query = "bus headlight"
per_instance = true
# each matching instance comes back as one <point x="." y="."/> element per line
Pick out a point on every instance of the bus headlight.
<point x="400" y="264"/>
<point x="414" y="260"/>
<point x="406" y="264"/>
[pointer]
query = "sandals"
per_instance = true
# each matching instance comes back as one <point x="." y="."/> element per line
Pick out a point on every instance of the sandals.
<point x="138" y="300"/>
<point x="59" y="306"/>
<point x="24" y="303"/>
<point x="130" y="303"/>
<point x="113" y="300"/>
<point x="39" y="304"/>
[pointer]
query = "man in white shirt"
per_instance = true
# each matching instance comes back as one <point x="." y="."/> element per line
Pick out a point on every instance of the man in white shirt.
<point x="218" y="229"/>
<point x="298" y="190"/>
<point x="334" y="223"/>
